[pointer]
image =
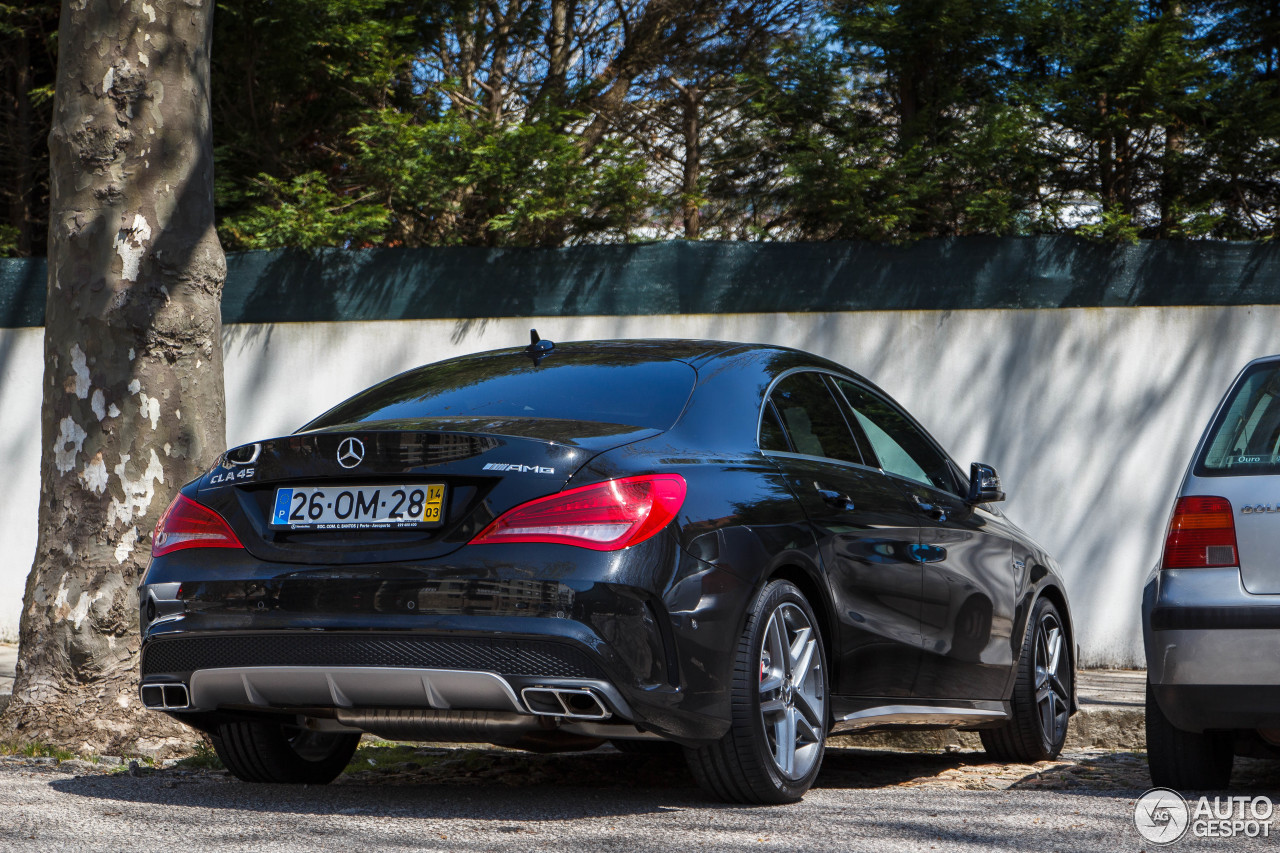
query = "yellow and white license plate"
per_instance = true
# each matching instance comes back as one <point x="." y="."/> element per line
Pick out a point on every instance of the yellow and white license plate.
<point x="359" y="507"/>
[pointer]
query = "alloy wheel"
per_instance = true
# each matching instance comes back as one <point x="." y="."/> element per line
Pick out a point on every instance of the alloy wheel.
<point x="793" y="702"/>
<point x="1052" y="694"/>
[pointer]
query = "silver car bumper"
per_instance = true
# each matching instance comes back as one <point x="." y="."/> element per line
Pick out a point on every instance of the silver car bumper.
<point x="1213" y="649"/>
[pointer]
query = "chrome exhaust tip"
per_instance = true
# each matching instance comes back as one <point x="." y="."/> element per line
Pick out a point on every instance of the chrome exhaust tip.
<point x="165" y="697"/>
<point x="571" y="703"/>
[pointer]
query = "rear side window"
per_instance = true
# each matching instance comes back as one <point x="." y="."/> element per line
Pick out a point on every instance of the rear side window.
<point x="1245" y="439"/>
<point x="772" y="436"/>
<point x="596" y="387"/>
<point x="812" y="418"/>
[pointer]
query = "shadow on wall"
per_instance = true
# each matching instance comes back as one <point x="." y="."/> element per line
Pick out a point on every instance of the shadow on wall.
<point x="1090" y="415"/>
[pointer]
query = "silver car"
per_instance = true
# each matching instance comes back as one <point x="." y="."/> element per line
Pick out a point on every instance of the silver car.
<point x="1211" y="608"/>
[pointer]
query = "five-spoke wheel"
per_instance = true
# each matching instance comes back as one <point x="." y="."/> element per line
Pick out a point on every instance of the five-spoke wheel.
<point x="773" y="749"/>
<point x="1041" y="701"/>
<point x="793" y="701"/>
<point x="1053" y="701"/>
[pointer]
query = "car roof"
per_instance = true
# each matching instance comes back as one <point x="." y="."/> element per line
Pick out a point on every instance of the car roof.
<point x="678" y="349"/>
<point x="694" y="352"/>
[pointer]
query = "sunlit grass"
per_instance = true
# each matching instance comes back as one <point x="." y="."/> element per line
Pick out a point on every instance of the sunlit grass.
<point x="387" y="755"/>
<point x="204" y="758"/>
<point x="36" y="750"/>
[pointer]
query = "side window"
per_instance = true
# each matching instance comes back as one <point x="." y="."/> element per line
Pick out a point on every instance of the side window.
<point x="812" y="419"/>
<point x="898" y="443"/>
<point x="772" y="436"/>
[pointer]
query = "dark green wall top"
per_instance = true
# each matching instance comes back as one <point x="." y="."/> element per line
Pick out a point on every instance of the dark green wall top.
<point x="714" y="278"/>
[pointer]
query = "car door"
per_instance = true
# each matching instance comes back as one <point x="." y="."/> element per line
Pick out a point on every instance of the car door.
<point x="968" y="579"/>
<point x="866" y="529"/>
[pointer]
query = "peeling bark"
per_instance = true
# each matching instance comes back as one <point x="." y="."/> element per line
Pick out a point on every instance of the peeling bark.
<point x="133" y="396"/>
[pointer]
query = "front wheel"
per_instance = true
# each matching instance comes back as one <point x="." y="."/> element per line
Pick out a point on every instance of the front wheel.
<point x="778" y="731"/>
<point x="271" y="752"/>
<point x="1041" y="701"/>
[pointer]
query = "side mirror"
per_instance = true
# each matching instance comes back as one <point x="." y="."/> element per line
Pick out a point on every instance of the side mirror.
<point x="984" y="484"/>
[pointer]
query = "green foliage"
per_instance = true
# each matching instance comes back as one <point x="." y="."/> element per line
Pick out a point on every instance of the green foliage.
<point x="35" y="749"/>
<point x="28" y="63"/>
<point x="203" y="758"/>
<point x="8" y="241"/>
<point x="455" y="181"/>
<point x="897" y="126"/>
<point x="289" y="81"/>
<point x="387" y="755"/>
<point x="1113" y="226"/>
<point x="456" y="122"/>
<point x="306" y="213"/>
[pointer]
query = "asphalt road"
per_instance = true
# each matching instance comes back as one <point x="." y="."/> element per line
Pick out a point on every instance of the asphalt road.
<point x="503" y="801"/>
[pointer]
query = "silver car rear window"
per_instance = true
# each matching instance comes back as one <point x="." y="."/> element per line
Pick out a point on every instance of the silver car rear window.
<point x="1245" y="438"/>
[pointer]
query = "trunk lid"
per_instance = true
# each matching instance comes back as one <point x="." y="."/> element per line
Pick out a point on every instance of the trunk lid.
<point x="486" y="465"/>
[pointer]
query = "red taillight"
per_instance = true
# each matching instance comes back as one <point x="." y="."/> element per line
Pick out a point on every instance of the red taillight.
<point x="605" y="517"/>
<point x="1202" y="534"/>
<point x="187" y="524"/>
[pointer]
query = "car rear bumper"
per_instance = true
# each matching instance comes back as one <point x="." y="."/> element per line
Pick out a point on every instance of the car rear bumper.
<point x="1202" y="627"/>
<point x="465" y="639"/>
<point x="1213" y="650"/>
<point x="346" y="670"/>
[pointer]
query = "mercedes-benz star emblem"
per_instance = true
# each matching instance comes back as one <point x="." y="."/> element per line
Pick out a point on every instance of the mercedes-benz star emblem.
<point x="350" y="452"/>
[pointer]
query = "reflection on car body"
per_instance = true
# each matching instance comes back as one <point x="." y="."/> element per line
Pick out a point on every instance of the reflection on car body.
<point x="731" y="549"/>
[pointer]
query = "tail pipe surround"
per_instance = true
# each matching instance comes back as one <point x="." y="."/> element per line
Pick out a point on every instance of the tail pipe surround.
<point x="572" y="703"/>
<point x="165" y="697"/>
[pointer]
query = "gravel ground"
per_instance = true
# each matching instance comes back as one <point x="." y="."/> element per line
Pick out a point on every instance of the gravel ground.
<point x="434" y="798"/>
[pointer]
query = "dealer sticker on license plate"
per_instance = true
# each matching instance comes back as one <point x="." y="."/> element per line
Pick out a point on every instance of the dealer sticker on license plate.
<point x="367" y="507"/>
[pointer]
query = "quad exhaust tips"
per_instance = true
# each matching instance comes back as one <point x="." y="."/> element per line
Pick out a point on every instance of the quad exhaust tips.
<point x="571" y="703"/>
<point x="166" y="697"/>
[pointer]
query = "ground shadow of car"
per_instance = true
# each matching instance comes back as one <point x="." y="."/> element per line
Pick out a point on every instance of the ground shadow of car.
<point x="505" y="785"/>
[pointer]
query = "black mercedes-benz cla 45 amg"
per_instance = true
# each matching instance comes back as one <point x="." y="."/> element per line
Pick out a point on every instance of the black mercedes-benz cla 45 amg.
<point x="735" y="549"/>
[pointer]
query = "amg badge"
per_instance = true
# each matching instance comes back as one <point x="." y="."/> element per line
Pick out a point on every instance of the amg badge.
<point x="521" y="469"/>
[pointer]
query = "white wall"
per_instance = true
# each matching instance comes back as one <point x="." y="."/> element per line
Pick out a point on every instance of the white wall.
<point x="21" y="371"/>
<point x="1089" y="414"/>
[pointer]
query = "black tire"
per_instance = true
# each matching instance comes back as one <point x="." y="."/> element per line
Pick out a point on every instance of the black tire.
<point x="1038" y="728"/>
<point x="743" y="766"/>
<point x="271" y="752"/>
<point x="648" y="748"/>
<point x="1184" y="760"/>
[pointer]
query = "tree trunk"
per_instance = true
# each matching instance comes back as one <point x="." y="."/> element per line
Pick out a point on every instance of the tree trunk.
<point x="1174" y="143"/>
<point x="1106" y="159"/>
<point x="133" y="397"/>
<point x="24" y="173"/>
<point x="690" y="98"/>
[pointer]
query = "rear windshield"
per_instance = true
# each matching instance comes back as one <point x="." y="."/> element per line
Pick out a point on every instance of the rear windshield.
<point x="1245" y="439"/>
<point x="598" y="387"/>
